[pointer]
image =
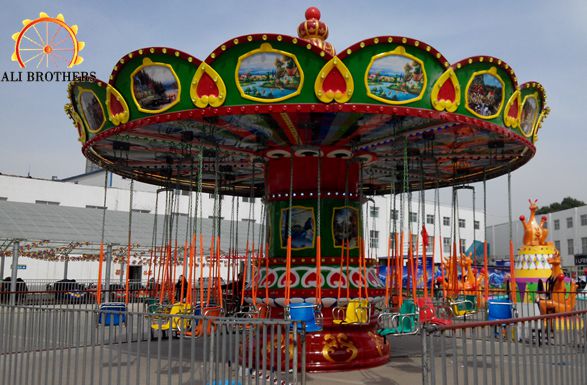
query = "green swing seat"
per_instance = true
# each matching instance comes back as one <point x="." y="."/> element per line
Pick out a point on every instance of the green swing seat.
<point x="404" y="322"/>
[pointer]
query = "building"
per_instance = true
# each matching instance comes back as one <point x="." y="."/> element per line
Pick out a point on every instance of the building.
<point x="82" y="196"/>
<point x="567" y="229"/>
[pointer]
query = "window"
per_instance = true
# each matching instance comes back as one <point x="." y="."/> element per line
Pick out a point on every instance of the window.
<point x="141" y="211"/>
<point x="557" y="244"/>
<point x="584" y="220"/>
<point x="476" y="225"/>
<point x="462" y="223"/>
<point x="413" y="217"/>
<point x="414" y="241"/>
<point x="3" y="198"/>
<point x="545" y="225"/>
<point x="96" y="207"/>
<point x="463" y="245"/>
<point x="446" y="221"/>
<point x="47" y="203"/>
<point x="584" y="245"/>
<point x="569" y="222"/>
<point x="430" y="242"/>
<point x="249" y="220"/>
<point x="374" y="212"/>
<point x="394" y="214"/>
<point x="373" y="239"/>
<point x="211" y="196"/>
<point x="446" y="244"/>
<point x="248" y="200"/>
<point x="570" y="246"/>
<point x="557" y="224"/>
<point x="215" y="217"/>
<point x="430" y="219"/>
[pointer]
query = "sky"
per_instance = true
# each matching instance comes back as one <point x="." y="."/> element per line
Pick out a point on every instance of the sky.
<point x="542" y="40"/>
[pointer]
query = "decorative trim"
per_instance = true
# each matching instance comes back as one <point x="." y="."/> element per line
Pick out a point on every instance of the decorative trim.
<point x="148" y="63"/>
<point x="266" y="48"/>
<point x="121" y="117"/>
<point x="398" y="51"/>
<point x="327" y="96"/>
<point x="493" y="72"/>
<point x="82" y="91"/>
<point x="79" y="124"/>
<point x="543" y="115"/>
<point x="507" y="119"/>
<point x="444" y="104"/>
<point x="202" y="101"/>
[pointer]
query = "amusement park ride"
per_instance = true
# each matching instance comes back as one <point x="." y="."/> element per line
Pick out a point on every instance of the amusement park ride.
<point x="313" y="133"/>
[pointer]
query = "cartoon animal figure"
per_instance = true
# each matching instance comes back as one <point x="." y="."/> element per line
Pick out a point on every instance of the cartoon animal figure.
<point x="534" y="234"/>
<point x="558" y="301"/>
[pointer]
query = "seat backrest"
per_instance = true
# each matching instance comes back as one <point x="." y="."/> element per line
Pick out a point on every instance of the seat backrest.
<point x="408" y="306"/>
<point x="499" y="310"/>
<point x="426" y="308"/>
<point x="302" y="312"/>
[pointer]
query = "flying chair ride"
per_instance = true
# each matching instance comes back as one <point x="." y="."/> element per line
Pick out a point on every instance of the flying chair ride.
<point x="313" y="133"/>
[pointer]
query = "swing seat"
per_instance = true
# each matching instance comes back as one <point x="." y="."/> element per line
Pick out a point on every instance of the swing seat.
<point x="464" y="305"/>
<point x="499" y="310"/>
<point x="433" y="314"/>
<point x="166" y="313"/>
<point x="208" y="314"/>
<point x="112" y="314"/>
<point x="356" y="312"/>
<point x="307" y="313"/>
<point x="404" y="322"/>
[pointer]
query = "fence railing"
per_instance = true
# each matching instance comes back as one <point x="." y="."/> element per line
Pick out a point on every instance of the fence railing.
<point x="77" y="346"/>
<point x="543" y="349"/>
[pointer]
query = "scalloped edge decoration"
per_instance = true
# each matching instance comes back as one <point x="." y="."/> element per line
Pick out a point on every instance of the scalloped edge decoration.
<point x="146" y="63"/>
<point x="330" y="79"/>
<point x="207" y="87"/>
<point x="492" y="71"/>
<point x="511" y="115"/>
<point x="541" y="119"/>
<point x="116" y="117"/>
<point x="398" y="51"/>
<point x="438" y="90"/>
<point x="536" y="118"/>
<point x="82" y="91"/>
<point x="267" y="48"/>
<point x="77" y="122"/>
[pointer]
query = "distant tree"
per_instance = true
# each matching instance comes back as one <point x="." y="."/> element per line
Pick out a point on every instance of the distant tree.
<point x="566" y="203"/>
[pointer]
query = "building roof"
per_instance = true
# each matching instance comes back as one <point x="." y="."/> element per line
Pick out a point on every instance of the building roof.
<point x="60" y="225"/>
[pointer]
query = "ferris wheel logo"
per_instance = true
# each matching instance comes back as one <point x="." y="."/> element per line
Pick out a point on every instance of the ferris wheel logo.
<point x="47" y="42"/>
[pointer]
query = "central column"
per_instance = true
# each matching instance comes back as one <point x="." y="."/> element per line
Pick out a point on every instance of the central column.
<point x="337" y="218"/>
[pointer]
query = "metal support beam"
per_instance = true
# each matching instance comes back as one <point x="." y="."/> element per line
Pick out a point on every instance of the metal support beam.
<point x="108" y="263"/>
<point x="15" y="247"/>
<point x="65" y="267"/>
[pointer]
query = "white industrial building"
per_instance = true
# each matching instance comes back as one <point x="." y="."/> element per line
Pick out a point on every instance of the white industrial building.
<point x="567" y="229"/>
<point x="83" y="196"/>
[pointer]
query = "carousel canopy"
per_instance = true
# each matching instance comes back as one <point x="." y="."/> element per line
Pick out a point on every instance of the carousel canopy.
<point x="393" y="103"/>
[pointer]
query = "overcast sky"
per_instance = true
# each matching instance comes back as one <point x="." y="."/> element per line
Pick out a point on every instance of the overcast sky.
<point x="544" y="41"/>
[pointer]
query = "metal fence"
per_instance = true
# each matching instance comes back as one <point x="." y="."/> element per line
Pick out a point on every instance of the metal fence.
<point x="52" y="346"/>
<point x="547" y="349"/>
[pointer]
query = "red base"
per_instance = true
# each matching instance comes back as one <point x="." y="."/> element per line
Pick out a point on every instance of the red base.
<point x="340" y="348"/>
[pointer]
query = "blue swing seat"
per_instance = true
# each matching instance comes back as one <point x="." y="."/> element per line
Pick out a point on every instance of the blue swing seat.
<point x="307" y="313"/>
<point x="112" y="314"/>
